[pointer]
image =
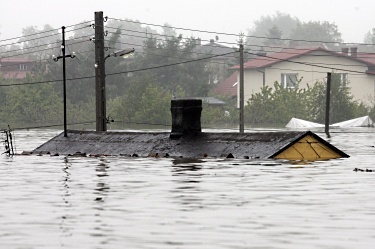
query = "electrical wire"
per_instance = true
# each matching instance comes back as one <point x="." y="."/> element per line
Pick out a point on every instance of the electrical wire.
<point x="287" y="50"/>
<point x="247" y="36"/>
<point x="116" y="73"/>
<point x="230" y="43"/>
<point x="30" y="52"/>
<point x="167" y="65"/>
<point x="265" y="59"/>
<point x="42" y="32"/>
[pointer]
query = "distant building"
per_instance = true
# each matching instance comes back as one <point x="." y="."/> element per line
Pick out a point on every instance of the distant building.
<point x="228" y="87"/>
<point x="15" y="68"/>
<point x="220" y="63"/>
<point x="356" y="70"/>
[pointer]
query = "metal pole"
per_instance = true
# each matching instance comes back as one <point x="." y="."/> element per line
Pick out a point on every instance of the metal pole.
<point x="101" y="122"/>
<point x="64" y="78"/>
<point x="328" y="101"/>
<point x="242" y="125"/>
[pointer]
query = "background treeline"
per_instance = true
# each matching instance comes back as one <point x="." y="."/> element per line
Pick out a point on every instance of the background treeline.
<point x="165" y="66"/>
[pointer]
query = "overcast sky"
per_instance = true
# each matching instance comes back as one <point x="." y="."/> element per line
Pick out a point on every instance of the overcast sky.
<point x="353" y="18"/>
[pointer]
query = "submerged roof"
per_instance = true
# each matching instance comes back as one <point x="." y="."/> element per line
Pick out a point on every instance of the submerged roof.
<point x="261" y="145"/>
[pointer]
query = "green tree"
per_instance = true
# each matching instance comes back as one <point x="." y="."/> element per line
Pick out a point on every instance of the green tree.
<point x="33" y="104"/>
<point x="273" y="36"/>
<point x="370" y="37"/>
<point x="276" y="106"/>
<point x="283" y="22"/>
<point x="342" y="106"/>
<point x="279" y="105"/>
<point x="316" y="31"/>
<point x="168" y="56"/>
<point x="143" y="102"/>
<point x="39" y="43"/>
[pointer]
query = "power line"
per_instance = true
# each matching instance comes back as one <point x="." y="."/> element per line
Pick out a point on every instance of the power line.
<point x="129" y="71"/>
<point x="42" y="32"/>
<point x="359" y="56"/>
<point x="266" y="59"/>
<point x="167" y="65"/>
<point x="221" y="42"/>
<point x="247" y="36"/>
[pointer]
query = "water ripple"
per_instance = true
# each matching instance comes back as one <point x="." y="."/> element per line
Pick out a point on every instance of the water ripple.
<point x="80" y="202"/>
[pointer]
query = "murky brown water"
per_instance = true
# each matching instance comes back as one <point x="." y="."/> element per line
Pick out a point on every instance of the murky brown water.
<point x="53" y="202"/>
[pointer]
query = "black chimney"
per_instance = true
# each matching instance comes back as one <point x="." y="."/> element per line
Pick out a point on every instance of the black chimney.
<point x="353" y="51"/>
<point x="186" y="117"/>
<point x="345" y="51"/>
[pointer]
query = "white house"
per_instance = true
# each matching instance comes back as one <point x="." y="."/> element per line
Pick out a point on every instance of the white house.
<point x="357" y="70"/>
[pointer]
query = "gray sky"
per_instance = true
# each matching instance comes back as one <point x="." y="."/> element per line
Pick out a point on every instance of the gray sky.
<point x="353" y="18"/>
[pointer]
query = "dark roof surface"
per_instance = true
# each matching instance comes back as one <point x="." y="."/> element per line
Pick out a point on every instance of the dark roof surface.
<point x="213" y="48"/>
<point x="253" y="145"/>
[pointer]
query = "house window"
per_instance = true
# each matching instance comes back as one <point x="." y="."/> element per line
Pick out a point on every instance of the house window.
<point x="289" y="80"/>
<point x="22" y="67"/>
<point x="343" y="79"/>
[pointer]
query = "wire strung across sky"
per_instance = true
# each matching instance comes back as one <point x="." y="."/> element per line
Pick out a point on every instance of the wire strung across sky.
<point x="321" y="65"/>
<point x="238" y="35"/>
<point x="46" y="31"/>
<point x="288" y="50"/>
<point x="116" y="73"/>
<point x="174" y="64"/>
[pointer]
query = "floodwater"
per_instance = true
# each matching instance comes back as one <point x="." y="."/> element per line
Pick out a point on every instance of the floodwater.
<point x="57" y="202"/>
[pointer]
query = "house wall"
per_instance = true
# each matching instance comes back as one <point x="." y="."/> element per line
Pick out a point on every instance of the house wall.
<point x="362" y="85"/>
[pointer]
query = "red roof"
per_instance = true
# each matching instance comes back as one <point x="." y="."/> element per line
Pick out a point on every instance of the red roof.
<point x="290" y="53"/>
<point x="228" y="87"/>
<point x="368" y="57"/>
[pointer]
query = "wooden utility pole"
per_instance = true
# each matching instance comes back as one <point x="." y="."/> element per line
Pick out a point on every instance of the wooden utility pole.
<point x="328" y="102"/>
<point x="101" y="122"/>
<point x="241" y="85"/>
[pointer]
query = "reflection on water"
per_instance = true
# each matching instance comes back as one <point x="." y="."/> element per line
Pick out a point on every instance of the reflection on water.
<point x="81" y="202"/>
<point x="187" y="177"/>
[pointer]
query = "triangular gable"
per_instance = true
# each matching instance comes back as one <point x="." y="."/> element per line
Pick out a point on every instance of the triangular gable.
<point x="309" y="147"/>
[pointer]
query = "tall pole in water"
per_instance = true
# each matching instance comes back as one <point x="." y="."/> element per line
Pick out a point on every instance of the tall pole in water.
<point x="64" y="78"/>
<point x="328" y="102"/>
<point x="101" y="122"/>
<point x="63" y="56"/>
<point x="242" y="123"/>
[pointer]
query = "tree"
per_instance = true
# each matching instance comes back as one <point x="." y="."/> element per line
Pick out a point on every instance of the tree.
<point x="316" y="31"/>
<point x="343" y="107"/>
<point x="279" y="105"/>
<point x="33" y="104"/>
<point x="135" y="33"/>
<point x="39" y="43"/>
<point x="273" y="36"/>
<point x="143" y="102"/>
<point x="283" y="22"/>
<point x="370" y="37"/>
<point x="168" y="57"/>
